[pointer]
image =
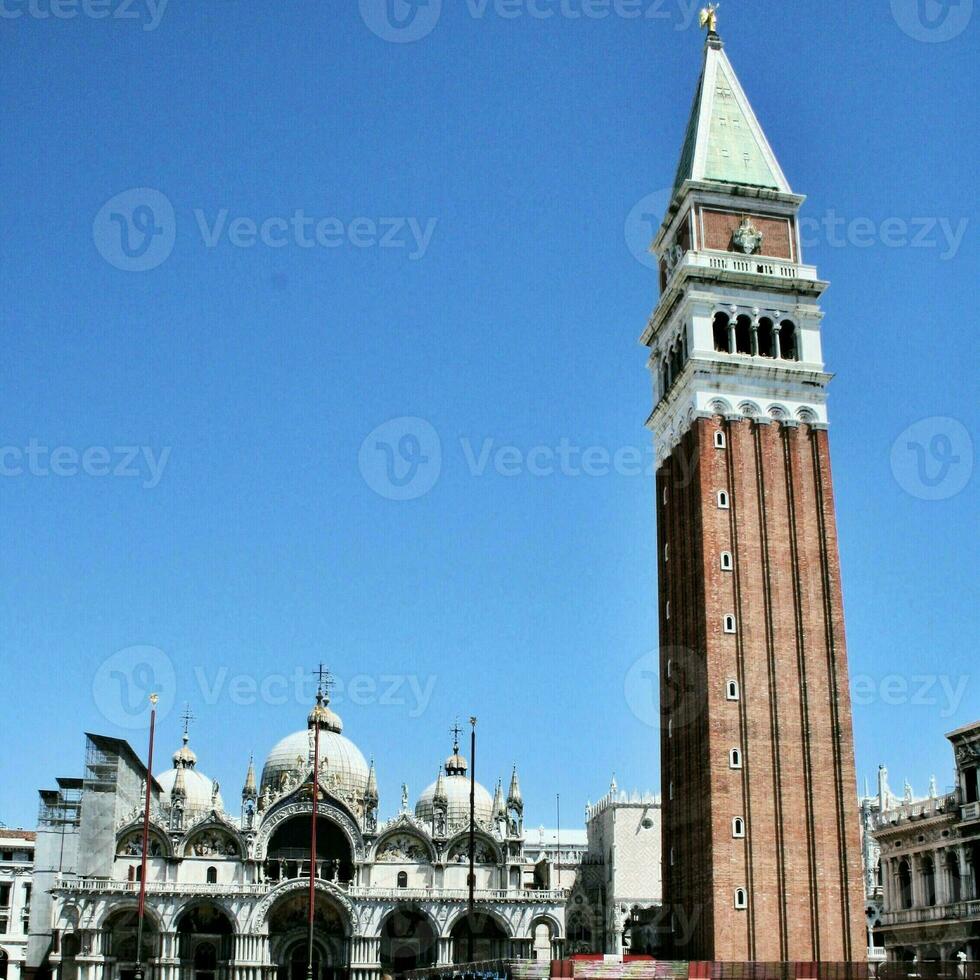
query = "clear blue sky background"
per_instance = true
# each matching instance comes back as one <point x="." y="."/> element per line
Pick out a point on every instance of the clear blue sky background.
<point x="529" y="599"/>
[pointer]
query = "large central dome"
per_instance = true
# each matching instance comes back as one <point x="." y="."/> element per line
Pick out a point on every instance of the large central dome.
<point x="343" y="769"/>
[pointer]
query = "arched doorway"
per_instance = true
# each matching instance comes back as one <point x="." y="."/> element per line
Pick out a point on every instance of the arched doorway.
<point x="3" y="964"/>
<point x="70" y="948"/>
<point x="204" y="941"/>
<point x="121" y="929"/>
<point x="490" y="941"/>
<point x="408" y="941"/>
<point x="288" y="853"/>
<point x="288" y="938"/>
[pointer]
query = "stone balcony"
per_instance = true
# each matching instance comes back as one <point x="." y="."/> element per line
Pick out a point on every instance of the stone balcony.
<point x="954" y="911"/>
<point x="244" y="888"/>
<point x="920" y="810"/>
<point x="756" y="265"/>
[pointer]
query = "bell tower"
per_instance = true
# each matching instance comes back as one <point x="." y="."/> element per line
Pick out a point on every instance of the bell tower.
<point x="762" y="860"/>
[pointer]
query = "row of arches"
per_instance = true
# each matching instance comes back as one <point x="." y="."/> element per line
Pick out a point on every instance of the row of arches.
<point x="741" y="334"/>
<point x="762" y="337"/>
<point x="204" y="936"/>
<point x="288" y="845"/>
<point x="956" y="887"/>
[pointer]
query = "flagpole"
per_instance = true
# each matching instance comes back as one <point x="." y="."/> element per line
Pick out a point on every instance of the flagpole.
<point x="472" y="876"/>
<point x="141" y="906"/>
<point x="316" y="793"/>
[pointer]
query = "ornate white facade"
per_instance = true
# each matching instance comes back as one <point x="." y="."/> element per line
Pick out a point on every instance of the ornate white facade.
<point x="228" y="897"/>
<point x="929" y="863"/>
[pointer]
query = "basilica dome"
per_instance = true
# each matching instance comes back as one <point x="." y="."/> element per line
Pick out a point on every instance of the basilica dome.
<point x="343" y="768"/>
<point x="453" y="789"/>
<point x="200" y="792"/>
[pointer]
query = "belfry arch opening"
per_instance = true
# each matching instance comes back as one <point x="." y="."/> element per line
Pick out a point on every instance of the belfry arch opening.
<point x="288" y="853"/>
<point x="408" y="942"/>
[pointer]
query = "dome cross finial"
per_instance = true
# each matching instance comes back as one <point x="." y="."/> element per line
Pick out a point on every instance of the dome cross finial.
<point x="324" y="684"/>
<point x="187" y="716"/>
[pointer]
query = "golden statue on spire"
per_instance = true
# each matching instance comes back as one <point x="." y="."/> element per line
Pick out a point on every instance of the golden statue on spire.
<point x="709" y="18"/>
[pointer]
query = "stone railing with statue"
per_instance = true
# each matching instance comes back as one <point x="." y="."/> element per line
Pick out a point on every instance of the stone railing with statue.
<point x="903" y="811"/>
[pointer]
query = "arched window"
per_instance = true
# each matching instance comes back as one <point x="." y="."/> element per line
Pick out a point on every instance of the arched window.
<point x="767" y="344"/>
<point x="741" y="899"/>
<point x="729" y="623"/>
<point x="212" y="876"/>
<point x="666" y="552"/>
<point x="787" y="341"/>
<point x="676" y="359"/>
<point x="735" y="759"/>
<point x="953" y="873"/>
<point x="905" y="884"/>
<point x="403" y="879"/>
<point x="731" y="690"/>
<point x="670" y="664"/>
<point x="743" y="334"/>
<point x="727" y="563"/>
<point x="720" y="331"/>
<point x="665" y="376"/>
<point x="719" y="440"/>
<point x="723" y="499"/>
<point x="738" y="827"/>
<point x="929" y="881"/>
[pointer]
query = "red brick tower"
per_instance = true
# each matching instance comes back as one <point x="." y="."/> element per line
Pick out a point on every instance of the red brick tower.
<point x="761" y="853"/>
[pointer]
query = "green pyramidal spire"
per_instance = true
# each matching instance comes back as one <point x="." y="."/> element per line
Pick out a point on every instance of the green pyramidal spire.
<point x="724" y="140"/>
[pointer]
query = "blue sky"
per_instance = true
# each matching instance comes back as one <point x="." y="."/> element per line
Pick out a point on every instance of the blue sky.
<point x="450" y="245"/>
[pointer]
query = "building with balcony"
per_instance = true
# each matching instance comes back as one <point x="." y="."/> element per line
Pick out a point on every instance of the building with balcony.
<point x="16" y="870"/>
<point x="929" y="863"/>
<point x="228" y="895"/>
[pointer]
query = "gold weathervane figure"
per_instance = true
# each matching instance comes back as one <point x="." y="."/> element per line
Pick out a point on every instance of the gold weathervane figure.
<point x="709" y="18"/>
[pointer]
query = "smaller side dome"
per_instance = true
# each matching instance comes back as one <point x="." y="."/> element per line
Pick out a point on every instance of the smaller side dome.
<point x="322" y="716"/>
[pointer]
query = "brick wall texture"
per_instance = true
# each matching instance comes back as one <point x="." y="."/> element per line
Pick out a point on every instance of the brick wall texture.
<point x="800" y="860"/>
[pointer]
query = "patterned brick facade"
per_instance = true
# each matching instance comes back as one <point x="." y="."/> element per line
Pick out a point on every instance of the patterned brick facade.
<point x="789" y="716"/>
